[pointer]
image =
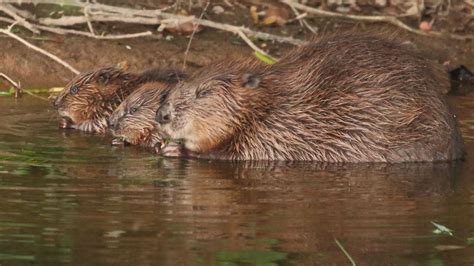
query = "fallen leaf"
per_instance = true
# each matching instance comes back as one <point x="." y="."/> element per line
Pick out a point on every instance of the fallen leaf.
<point x="425" y="26"/>
<point x="186" y="28"/>
<point x="254" y="14"/>
<point x="276" y="15"/>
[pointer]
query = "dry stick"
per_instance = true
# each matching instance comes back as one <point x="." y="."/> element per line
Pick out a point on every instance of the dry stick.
<point x="18" y="88"/>
<point x="7" y="78"/>
<point x="22" y="13"/>
<point x="89" y="24"/>
<point x="84" y="33"/>
<point x="387" y="19"/>
<point x="303" y="21"/>
<point x="11" y="12"/>
<point x="36" y="48"/>
<point x="192" y="36"/>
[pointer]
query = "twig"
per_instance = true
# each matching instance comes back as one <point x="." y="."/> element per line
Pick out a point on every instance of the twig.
<point x="10" y="80"/>
<point x="353" y="263"/>
<point x="301" y="20"/>
<point x="11" y="12"/>
<point x="89" y="24"/>
<point x="36" y="48"/>
<point x="18" y="89"/>
<point x="386" y="19"/>
<point x="253" y="46"/>
<point x="84" y="33"/>
<point x="192" y="35"/>
<point x="22" y="13"/>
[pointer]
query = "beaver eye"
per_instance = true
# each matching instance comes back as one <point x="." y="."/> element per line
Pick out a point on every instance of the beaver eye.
<point x="132" y="110"/>
<point x="202" y="93"/>
<point x="163" y="98"/>
<point x="74" y="90"/>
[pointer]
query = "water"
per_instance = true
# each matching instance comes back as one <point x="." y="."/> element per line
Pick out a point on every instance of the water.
<point x="71" y="198"/>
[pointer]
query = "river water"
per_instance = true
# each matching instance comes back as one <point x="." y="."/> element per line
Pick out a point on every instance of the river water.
<point x="71" y="198"/>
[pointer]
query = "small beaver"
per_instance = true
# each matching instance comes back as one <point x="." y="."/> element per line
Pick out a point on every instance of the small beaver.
<point x="90" y="98"/>
<point x="341" y="98"/>
<point x="133" y="121"/>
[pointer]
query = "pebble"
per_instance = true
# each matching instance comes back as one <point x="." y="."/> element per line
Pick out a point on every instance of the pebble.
<point x="218" y="10"/>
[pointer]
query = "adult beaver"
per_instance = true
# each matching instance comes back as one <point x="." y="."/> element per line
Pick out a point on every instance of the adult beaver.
<point x="341" y="98"/>
<point x="90" y="98"/>
<point x="133" y="121"/>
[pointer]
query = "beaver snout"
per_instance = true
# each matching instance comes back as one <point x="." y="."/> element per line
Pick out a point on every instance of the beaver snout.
<point x="65" y="122"/>
<point x="163" y="114"/>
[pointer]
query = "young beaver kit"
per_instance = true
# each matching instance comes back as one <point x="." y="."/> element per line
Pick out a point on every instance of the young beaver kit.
<point x="90" y="98"/>
<point x="344" y="98"/>
<point x="133" y="122"/>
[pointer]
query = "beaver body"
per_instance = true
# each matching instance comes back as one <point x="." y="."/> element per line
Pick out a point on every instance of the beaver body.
<point x="90" y="98"/>
<point x="344" y="98"/>
<point x="133" y="121"/>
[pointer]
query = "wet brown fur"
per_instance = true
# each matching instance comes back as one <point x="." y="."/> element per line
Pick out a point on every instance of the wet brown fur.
<point x="133" y="120"/>
<point x="99" y="92"/>
<point x="341" y="98"/>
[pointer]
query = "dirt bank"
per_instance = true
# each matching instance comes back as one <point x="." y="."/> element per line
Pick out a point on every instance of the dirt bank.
<point x="166" y="49"/>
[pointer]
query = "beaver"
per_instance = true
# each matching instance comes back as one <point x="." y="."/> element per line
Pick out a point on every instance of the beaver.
<point x="133" y="121"/>
<point x="90" y="98"/>
<point x="340" y="98"/>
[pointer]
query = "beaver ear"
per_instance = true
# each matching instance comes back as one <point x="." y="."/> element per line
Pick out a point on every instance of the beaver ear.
<point x="250" y="81"/>
<point x="104" y="78"/>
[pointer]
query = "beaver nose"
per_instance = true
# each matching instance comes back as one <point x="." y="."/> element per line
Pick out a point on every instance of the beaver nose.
<point x="111" y="123"/>
<point x="163" y="114"/>
<point x="55" y="102"/>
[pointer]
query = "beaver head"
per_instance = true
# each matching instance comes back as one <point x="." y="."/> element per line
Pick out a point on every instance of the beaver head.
<point x="133" y="121"/>
<point x="211" y="106"/>
<point x="89" y="99"/>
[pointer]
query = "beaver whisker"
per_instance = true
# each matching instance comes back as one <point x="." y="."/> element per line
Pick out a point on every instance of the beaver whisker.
<point x="98" y="92"/>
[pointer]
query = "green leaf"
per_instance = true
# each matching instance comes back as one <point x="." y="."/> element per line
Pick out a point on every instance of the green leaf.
<point x="441" y="229"/>
<point x="470" y="240"/>
<point x="264" y="58"/>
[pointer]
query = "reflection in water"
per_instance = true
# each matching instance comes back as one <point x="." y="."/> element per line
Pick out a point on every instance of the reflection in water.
<point x="71" y="198"/>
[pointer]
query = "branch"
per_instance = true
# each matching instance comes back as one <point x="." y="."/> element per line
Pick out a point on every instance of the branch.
<point x="84" y="33"/>
<point x="192" y="35"/>
<point x="5" y="8"/>
<point x="36" y="48"/>
<point x="13" y="83"/>
<point x="18" y="89"/>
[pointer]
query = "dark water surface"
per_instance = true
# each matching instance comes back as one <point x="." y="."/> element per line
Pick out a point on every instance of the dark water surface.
<point x="71" y="198"/>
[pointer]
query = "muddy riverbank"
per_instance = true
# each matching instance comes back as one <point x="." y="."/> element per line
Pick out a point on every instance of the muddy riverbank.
<point x="168" y="49"/>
